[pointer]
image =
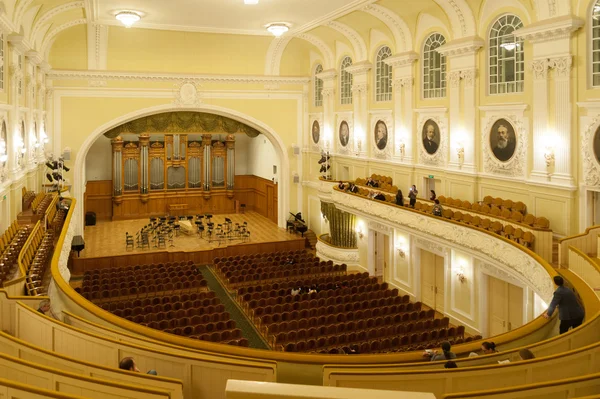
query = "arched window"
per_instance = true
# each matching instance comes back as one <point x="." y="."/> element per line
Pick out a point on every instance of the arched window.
<point x="596" y="44"/>
<point x="383" y="76"/>
<point x="318" y="87"/>
<point x="2" y="57"/>
<point x="434" y="68"/>
<point x="506" y="56"/>
<point x="346" y="82"/>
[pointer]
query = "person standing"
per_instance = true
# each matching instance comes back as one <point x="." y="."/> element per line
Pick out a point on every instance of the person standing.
<point x="570" y="312"/>
<point x="399" y="198"/>
<point x="412" y="195"/>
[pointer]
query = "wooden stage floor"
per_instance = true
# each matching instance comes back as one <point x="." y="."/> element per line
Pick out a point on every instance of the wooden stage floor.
<point x="108" y="238"/>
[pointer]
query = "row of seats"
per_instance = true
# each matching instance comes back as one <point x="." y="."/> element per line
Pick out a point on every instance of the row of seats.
<point x="158" y="300"/>
<point x="199" y="306"/>
<point x="258" y="256"/>
<point x="506" y="210"/>
<point x="138" y="268"/>
<point x="289" y="271"/>
<point x="42" y="246"/>
<point x="27" y="198"/>
<point x="40" y="207"/>
<point x="10" y="254"/>
<point x="144" y="291"/>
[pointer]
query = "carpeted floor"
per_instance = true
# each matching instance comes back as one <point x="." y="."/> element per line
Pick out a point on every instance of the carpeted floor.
<point x="255" y="340"/>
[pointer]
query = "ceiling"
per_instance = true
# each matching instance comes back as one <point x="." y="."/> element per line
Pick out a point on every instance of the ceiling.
<point x="225" y="16"/>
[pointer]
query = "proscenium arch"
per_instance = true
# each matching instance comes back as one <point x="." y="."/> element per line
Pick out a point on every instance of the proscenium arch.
<point x="283" y="184"/>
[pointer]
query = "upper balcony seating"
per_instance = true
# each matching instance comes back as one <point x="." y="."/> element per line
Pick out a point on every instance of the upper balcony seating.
<point x="11" y="243"/>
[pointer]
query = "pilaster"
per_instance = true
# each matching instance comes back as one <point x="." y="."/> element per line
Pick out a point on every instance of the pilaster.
<point x="360" y="95"/>
<point x="329" y="82"/>
<point x="403" y="72"/>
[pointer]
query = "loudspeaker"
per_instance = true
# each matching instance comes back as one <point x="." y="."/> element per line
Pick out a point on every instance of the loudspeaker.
<point x="90" y="218"/>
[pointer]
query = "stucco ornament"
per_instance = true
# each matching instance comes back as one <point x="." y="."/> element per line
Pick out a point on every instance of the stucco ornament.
<point x="187" y="94"/>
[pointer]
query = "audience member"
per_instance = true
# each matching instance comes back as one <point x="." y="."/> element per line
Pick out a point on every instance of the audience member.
<point x="44" y="306"/>
<point x="526" y="354"/>
<point x="450" y="365"/>
<point x="488" y="348"/>
<point x="437" y="208"/>
<point x="341" y="185"/>
<point x="127" y="363"/>
<point x="412" y="195"/>
<point x="445" y="355"/>
<point x="570" y="311"/>
<point x="295" y="291"/>
<point x="432" y="195"/>
<point x="399" y="198"/>
<point x="372" y="183"/>
<point x="379" y="196"/>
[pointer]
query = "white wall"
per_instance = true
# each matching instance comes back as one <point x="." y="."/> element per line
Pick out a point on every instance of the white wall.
<point x="262" y="157"/>
<point x="99" y="160"/>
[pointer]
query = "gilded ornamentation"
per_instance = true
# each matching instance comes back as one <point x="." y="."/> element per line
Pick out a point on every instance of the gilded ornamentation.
<point x="183" y="122"/>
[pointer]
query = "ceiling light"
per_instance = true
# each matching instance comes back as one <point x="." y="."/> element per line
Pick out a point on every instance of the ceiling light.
<point x="509" y="46"/>
<point x="250" y="1"/>
<point x="128" y="18"/>
<point x="277" y="28"/>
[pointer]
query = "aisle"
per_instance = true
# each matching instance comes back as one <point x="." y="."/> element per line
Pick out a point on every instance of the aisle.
<point x="248" y="330"/>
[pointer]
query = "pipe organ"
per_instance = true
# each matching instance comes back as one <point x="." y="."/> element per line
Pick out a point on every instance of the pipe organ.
<point x="182" y="163"/>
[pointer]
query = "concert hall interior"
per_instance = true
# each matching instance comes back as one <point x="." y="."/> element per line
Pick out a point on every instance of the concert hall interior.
<point x="299" y="199"/>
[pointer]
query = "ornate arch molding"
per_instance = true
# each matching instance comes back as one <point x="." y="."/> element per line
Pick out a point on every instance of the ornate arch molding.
<point x="46" y="17"/>
<point x="545" y="9"/>
<point x="461" y="17"/>
<point x="20" y="11"/>
<point x="358" y="43"/>
<point x="328" y="57"/>
<point x="278" y="46"/>
<point x="278" y="144"/>
<point x="399" y="28"/>
<point x="51" y="36"/>
<point x="591" y="164"/>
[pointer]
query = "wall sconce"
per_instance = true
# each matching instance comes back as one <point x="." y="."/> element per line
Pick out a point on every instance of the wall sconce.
<point x="401" y="252"/>
<point x="358" y="147"/>
<point x="549" y="156"/>
<point x="402" y="149"/>
<point x="460" y="153"/>
<point x="460" y="273"/>
<point x="359" y="231"/>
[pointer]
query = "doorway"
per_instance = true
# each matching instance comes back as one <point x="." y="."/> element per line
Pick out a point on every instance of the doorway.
<point x="505" y="306"/>
<point x="592" y="209"/>
<point x="432" y="280"/>
<point x="430" y="184"/>
<point x="379" y="244"/>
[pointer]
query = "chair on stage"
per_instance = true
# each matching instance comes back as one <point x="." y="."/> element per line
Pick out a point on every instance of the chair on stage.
<point x="129" y="244"/>
<point x="200" y="229"/>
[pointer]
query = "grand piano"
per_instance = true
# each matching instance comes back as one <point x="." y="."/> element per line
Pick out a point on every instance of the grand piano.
<point x="296" y="224"/>
<point x="77" y="244"/>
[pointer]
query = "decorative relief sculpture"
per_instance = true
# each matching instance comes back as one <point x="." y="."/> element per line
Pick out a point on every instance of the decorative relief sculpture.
<point x="187" y="94"/>
<point x="590" y="153"/>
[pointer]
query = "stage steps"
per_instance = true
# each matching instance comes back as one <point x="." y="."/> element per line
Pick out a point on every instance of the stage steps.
<point x="311" y="239"/>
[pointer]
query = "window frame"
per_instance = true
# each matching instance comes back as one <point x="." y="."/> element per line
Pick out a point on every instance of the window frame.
<point x="318" y="87"/>
<point x="346" y="84"/>
<point x="430" y="93"/>
<point x="591" y="50"/>
<point x="493" y="52"/>
<point x="380" y="66"/>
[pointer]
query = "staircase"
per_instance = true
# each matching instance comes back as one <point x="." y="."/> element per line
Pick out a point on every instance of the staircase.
<point x="311" y="238"/>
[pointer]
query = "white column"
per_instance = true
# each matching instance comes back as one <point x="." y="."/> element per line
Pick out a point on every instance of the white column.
<point x="360" y="95"/>
<point x="561" y="145"/>
<point x="329" y="79"/>
<point x="403" y="78"/>
<point x="453" y="86"/>
<point x="469" y="115"/>
<point x="540" y="117"/>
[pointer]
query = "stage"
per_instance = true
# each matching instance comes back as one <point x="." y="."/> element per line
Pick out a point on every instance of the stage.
<point x="105" y="243"/>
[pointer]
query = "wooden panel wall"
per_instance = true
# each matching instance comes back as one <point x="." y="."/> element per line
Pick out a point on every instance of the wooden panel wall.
<point x="259" y="195"/>
<point x="81" y="265"/>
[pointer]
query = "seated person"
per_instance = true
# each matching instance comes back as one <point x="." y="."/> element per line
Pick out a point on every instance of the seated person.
<point x="437" y="208"/>
<point x="446" y="354"/>
<point x="127" y="363"/>
<point x="372" y="183"/>
<point x="379" y="196"/>
<point x="353" y="188"/>
<point x="341" y="185"/>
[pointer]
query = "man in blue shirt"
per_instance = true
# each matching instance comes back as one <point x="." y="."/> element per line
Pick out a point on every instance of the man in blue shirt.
<point x="570" y="312"/>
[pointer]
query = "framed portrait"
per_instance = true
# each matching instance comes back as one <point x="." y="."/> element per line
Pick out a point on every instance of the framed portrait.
<point x="503" y="140"/>
<point x="344" y="133"/>
<point x="431" y="136"/>
<point x="596" y="144"/>
<point x="381" y="134"/>
<point x="316" y="132"/>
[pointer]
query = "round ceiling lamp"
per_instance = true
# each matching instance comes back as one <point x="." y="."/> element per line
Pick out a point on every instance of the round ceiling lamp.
<point x="278" y="28"/>
<point x="128" y="18"/>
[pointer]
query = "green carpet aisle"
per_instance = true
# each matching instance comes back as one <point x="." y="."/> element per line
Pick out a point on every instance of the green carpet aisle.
<point x="255" y="340"/>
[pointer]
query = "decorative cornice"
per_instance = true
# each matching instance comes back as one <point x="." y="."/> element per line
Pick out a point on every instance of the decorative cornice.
<point x="464" y="46"/>
<point x="50" y="36"/>
<point x="19" y="42"/>
<point x="172" y="77"/>
<point x="6" y="25"/>
<point x="34" y="57"/>
<point x="403" y="81"/>
<point x="51" y="14"/>
<point x="359" y="68"/>
<point x="340" y="12"/>
<point x="402" y="59"/>
<point x="329" y="74"/>
<point x="550" y="29"/>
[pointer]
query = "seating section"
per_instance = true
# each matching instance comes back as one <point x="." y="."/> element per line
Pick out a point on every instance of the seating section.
<point x="242" y="271"/>
<point x="41" y="202"/>
<point x="383" y="183"/>
<point x="27" y="198"/>
<point x="344" y="312"/>
<point x="11" y="243"/>
<point x="198" y="315"/>
<point x="36" y="259"/>
<point x="105" y="285"/>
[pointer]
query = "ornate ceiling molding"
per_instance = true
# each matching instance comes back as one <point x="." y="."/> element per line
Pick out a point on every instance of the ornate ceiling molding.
<point x="46" y="17"/>
<point x="358" y="43"/>
<point x="274" y="54"/>
<point x="172" y="77"/>
<point x="399" y="28"/>
<point x="20" y="11"/>
<point x="461" y="17"/>
<point x="51" y="36"/>
<point x="516" y="259"/>
<point x="326" y="52"/>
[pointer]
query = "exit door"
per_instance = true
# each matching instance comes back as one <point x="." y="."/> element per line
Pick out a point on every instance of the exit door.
<point x="432" y="280"/>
